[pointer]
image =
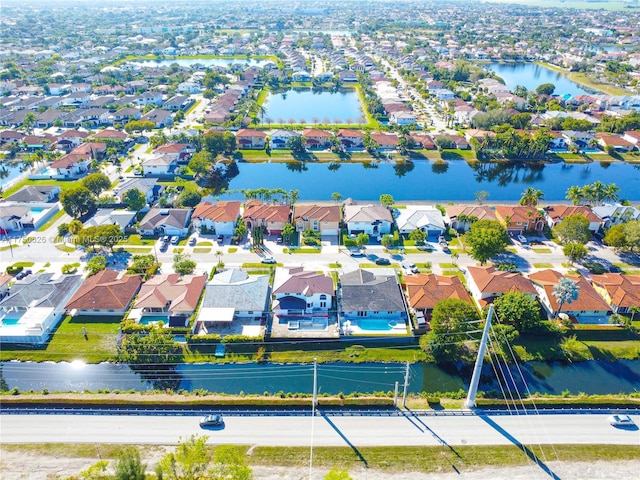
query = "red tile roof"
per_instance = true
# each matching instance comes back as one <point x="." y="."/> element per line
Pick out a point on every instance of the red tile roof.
<point x="623" y="290"/>
<point x="105" y="291"/>
<point x="588" y="298"/>
<point x="218" y="212"/>
<point x="425" y="291"/>
<point x="181" y="294"/>
<point x="268" y="213"/>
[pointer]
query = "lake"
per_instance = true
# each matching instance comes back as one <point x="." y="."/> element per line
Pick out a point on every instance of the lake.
<point x="426" y="180"/>
<point x="531" y="75"/>
<point x="207" y="62"/>
<point x="309" y="106"/>
<point x="591" y="377"/>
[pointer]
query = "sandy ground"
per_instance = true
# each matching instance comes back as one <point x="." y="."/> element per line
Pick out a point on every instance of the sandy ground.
<point x="21" y="466"/>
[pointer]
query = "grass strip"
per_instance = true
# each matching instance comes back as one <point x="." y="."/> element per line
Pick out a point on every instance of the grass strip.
<point x="201" y="250"/>
<point x="543" y="265"/>
<point x="541" y="250"/>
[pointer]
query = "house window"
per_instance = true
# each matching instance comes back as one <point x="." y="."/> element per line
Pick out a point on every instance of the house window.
<point x="323" y="297"/>
<point x="309" y="305"/>
<point x="376" y="313"/>
<point x="323" y="304"/>
<point x="362" y="314"/>
<point x="389" y="312"/>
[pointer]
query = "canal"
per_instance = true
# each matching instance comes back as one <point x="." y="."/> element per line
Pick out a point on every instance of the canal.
<point x="591" y="377"/>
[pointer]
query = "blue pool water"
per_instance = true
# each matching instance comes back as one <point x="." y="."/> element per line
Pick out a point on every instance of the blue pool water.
<point x="376" y="324"/>
<point x="147" y="319"/>
<point x="36" y="210"/>
<point x="6" y="322"/>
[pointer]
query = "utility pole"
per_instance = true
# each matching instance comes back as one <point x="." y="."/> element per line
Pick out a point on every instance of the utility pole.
<point x="406" y="385"/>
<point x="395" y="396"/>
<point x="315" y="383"/>
<point x="470" y="402"/>
<point x="313" y="412"/>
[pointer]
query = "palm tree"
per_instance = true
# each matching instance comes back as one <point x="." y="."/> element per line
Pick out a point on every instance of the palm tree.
<point x="634" y="310"/>
<point x="598" y="190"/>
<point x="575" y="194"/>
<point x="566" y="291"/>
<point x="611" y="192"/>
<point x="260" y="110"/>
<point x="530" y="197"/>
<point x="336" y="196"/>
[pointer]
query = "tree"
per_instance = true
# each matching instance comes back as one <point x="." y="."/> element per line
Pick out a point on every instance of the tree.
<point x="481" y="196"/>
<point x="134" y="199"/>
<point x="229" y="463"/>
<point x="362" y="239"/>
<point x="337" y="474"/>
<point x="632" y="234"/>
<point x="189" y="197"/>
<point x="182" y="264"/>
<point x="530" y="197"/>
<point x="29" y="121"/>
<point x="387" y="200"/>
<point x="216" y="142"/>
<point x="157" y="348"/>
<point x="387" y="240"/>
<point x="75" y="226"/>
<point x="566" y="291"/>
<point x="104" y="235"/>
<point x="96" y="183"/>
<point x="575" y="194"/>
<point x="201" y="162"/>
<point x="191" y="461"/>
<point x="518" y="309"/>
<point x="486" y="238"/>
<point x="418" y="236"/>
<point x="451" y="319"/>
<point x="546" y="89"/>
<point x="296" y="144"/>
<point x="78" y="202"/>
<point x="336" y="197"/>
<point x="575" y="251"/>
<point x="96" y="264"/>
<point x="287" y="231"/>
<point x="128" y="465"/>
<point x="574" y="229"/>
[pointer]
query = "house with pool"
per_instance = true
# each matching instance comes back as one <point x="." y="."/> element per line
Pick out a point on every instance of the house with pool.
<point x="107" y="293"/>
<point x="372" y="304"/>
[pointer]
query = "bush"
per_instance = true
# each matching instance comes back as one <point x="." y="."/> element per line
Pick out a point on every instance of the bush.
<point x="14" y="269"/>
<point x="211" y="338"/>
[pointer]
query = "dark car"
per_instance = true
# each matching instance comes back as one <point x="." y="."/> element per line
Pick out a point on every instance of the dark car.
<point x="211" y="421"/>
<point x="383" y="261"/>
<point x="192" y="241"/>
<point x="21" y="275"/>
<point x="220" y="239"/>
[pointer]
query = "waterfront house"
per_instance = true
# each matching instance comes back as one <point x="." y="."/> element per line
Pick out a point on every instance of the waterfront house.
<point x="35" y="306"/>
<point x="422" y="140"/>
<point x="166" y="221"/>
<point x="486" y="284"/>
<point x="371" y="219"/>
<point x="615" y="142"/>
<point x="105" y="293"/>
<point x="621" y="292"/>
<point x="235" y="303"/>
<point x="324" y="219"/>
<point x="386" y="141"/>
<point x="300" y="292"/>
<point x="461" y="217"/>
<point x="556" y="213"/>
<point x="589" y="307"/>
<point x="424" y="291"/>
<point x="351" y="139"/>
<point x="316" y="139"/>
<point x="220" y="218"/>
<point x="70" y="165"/>
<point x="372" y="303"/>
<point x="420" y="217"/>
<point x="250" y="138"/>
<point x="615" y="214"/>
<point x="518" y="219"/>
<point x="280" y="137"/>
<point x="271" y="218"/>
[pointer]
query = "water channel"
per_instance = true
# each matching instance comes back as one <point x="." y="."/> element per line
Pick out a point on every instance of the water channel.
<point x="591" y="377"/>
<point x="425" y="180"/>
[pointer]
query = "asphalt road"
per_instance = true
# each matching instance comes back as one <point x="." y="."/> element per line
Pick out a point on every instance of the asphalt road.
<point x="351" y="431"/>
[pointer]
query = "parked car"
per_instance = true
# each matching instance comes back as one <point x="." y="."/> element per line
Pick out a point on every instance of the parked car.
<point x="269" y="260"/>
<point x="174" y="240"/>
<point x="410" y="267"/>
<point x="441" y="239"/>
<point x="192" y="241"/>
<point x="21" y="275"/>
<point x="383" y="261"/>
<point x="522" y="239"/>
<point x="279" y="239"/>
<point x="620" y="420"/>
<point x="213" y="420"/>
<point x="220" y="239"/>
<point x="356" y="252"/>
<point x="166" y="239"/>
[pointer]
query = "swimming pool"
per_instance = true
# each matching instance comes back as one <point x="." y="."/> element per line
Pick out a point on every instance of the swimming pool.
<point x="376" y="324"/>
<point x="7" y="322"/>
<point x="149" y="319"/>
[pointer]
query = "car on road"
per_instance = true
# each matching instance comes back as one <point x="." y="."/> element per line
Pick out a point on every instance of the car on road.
<point x="212" y="420"/>
<point x="383" y="261"/>
<point x="522" y="239"/>
<point x="269" y="260"/>
<point x="174" y="240"/>
<point x="220" y="239"/>
<point x="192" y="241"/>
<point x="411" y="267"/>
<point x="21" y="275"/>
<point x="164" y="247"/>
<point x="620" y="420"/>
<point x="356" y="252"/>
<point x="279" y="239"/>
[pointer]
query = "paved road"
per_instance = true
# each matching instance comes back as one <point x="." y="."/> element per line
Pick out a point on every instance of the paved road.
<point x="359" y="431"/>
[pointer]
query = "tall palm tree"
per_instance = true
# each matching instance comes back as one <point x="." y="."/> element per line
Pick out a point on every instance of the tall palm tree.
<point x="575" y="194"/>
<point x="598" y="191"/>
<point x="530" y="197"/>
<point x="611" y="192"/>
<point x="566" y="291"/>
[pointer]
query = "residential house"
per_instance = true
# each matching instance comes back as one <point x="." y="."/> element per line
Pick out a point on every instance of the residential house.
<point x="420" y="217"/>
<point x="169" y="296"/>
<point x="178" y="102"/>
<point x="317" y="139"/>
<point x="372" y="303"/>
<point x="5" y="281"/>
<point x="556" y="213"/>
<point x="71" y="165"/>
<point x="456" y="141"/>
<point x="71" y="139"/>
<point x="461" y="217"/>
<point x="324" y="219"/>
<point x="35" y="193"/>
<point x="147" y="186"/>
<point x="35" y="306"/>
<point x="15" y="218"/>
<point x="487" y="283"/>
<point x="160" y="165"/>
<point x="589" y="307"/>
<point x="632" y="136"/>
<point x="249" y="138"/>
<point x="220" y="218"/>
<point x="160" y="118"/>
<point x="166" y="221"/>
<point x="422" y="140"/>
<point x="110" y="216"/>
<point x="11" y="136"/>
<point x="403" y="118"/>
<point x="615" y="214"/>
<point x="385" y="141"/>
<point x="280" y="137"/>
<point x="621" y="292"/>
<point x="235" y="303"/>
<point x="615" y="142"/>
<point x="126" y="114"/>
<point x="518" y="219"/>
<point x="105" y="293"/>
<point x="110" y="134"/>
<point x="301" y="76"/>
<point x="425" y="291"/>
<point x="351" y="139"/>
<point x="180" y="151"/>
<point x="375" y="220"/>
<point x="271" y="218"/>
<point x="298" y="292"/>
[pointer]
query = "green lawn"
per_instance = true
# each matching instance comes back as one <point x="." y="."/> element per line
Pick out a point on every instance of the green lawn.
<point x="65" y="248"/>
<point x="232" y="249"/>
<point x="304" y="250"/>
<point x="543" y="265"/>
<point x="201" y="250"/>
<point x="448" y="265"/>
<point x="63" y="184"/>
<point x="204" y="244"/>
<point x="134" y="250"/>
<point x="137" y="240"/>
<point x="68" y="343"/>
<point x="541" y="250"/>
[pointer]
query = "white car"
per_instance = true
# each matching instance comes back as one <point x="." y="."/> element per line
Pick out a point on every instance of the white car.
<point x="522" y="239"/>
<point x="620" y="420"/>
